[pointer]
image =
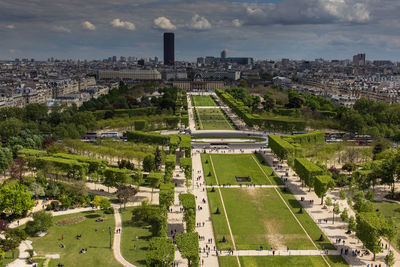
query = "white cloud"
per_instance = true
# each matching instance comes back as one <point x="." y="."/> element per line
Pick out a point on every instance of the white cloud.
<point x="88" y="26"/>
<point x="236" y="23"/>
<point x="199" y="23"/>
<point x="11" y="26"/>
<point x="163" y="23"/>
<point x="61" y="29"/>
<point x="117" y="23"/>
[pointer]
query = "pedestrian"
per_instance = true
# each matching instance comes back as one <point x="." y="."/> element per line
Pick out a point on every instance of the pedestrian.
<point x="18" y="222"/>
<point x="62" y="237"/>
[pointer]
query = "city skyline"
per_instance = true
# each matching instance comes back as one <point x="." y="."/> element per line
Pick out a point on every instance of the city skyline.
<point x="307" y="29"/>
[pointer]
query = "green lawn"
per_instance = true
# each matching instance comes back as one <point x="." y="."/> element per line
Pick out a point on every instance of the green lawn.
<point x="203" y="101"/>
<point x="219" y="223"/>
<point x="9" y="257"/>
<point x="227" y="166"/>
<point x="281" y="261"/>
<point x="258" y="217"/>
<point x="390" y="210"/>
<point x="212" y="119"/>
<point x="97" y="242"/>
<point x="129" y="233"/>
<point x="307" y="222"/>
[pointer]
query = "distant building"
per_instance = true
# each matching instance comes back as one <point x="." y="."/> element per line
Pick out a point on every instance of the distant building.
<point x="199" y="85"/>
<point x="174" y="75"/>
<point x="359" y="60"/>
<point x="169" y="48"/>
<point x="223" y="54"/>
<point x="129" y="75"/>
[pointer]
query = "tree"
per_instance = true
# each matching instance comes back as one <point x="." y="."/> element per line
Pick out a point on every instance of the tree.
<point x="5" y="159"/>
<point x="370" y="228"/>
<point x="188" y="244"/>
<point x="154" y="179"/>
<point x="157" y="159"/>
<point x="342" y="194"/>
<point x="2" y="254"/>
<point x="10" y="127"/>
<point x="336" y="210"/>
<point x="328" y="201"/>
<point x="114" y="177"/>
<point x="352" y="224"/>
<point x="101" y="202"/>
<point x="36" y="190"/>
<point x="389" y="259"/>
<point x="15" y="199"/>
<point x="42" y="221"/>
<point x="391" y="230"/>
<point x="149" y="163"/>
<point x="125" y="193"/>
<point x="161" y="252"/>
<point x="370" y="195"/>
<point x="17" y="169"/>
<point x="269" y="102"/>
<point x="345" y="215"/>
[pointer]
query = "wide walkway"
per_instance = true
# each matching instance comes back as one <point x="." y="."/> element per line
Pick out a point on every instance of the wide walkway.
<point x="279" y="252"/>
<point x="203" y="215"/>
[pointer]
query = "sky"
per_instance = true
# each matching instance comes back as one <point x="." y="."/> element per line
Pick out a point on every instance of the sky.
<point x="263" y="29"/>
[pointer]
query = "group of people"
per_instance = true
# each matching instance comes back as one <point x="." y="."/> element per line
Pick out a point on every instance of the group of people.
<point x="84" y="250"/>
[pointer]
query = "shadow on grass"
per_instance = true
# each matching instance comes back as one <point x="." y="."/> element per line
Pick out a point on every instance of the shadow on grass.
<point x="92" y="216"/>
<point x="143" y="262"/>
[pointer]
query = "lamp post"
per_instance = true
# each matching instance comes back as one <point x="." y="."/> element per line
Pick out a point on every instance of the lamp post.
<point x="109" y="230"/>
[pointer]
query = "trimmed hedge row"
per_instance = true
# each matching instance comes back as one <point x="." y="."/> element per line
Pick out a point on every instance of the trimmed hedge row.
<point x="166" y="195"/>
<point x="94" y="164"/>
<point x="281" y="147"/>
<point x="308" y="138"/>
<point x="188" y="202"/>
<point x="276" y="124"/>
<point x="140" y="125"/>
<point x="307" y="171"/>
<point x="149" y="138"/>
<point x="186" y="165"/>
<point x="73" y="168"/>
<point x="186" y="144"/>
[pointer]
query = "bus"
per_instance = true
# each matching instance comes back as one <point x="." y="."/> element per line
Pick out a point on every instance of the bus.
<point x="110" y="135"/>
<point x="219" y="145"/>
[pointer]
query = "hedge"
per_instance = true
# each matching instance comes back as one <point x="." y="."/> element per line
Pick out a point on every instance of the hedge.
<point x="287" y="111"/>
<point x="186" y="144"/>
<point x="95" y="165"/>
<point x="166" y="195"/>
<point x="280" y="147"/>
<point x="72" y="168"/>
<point x="273" y="123"/>
<point x="307" y="170"/>
<point x="139" y="125"/>
<point x="174" y="141"/>
<point x="322" y="184"/>
<point x="31" y="152"/>
<point x="186" y="165"/>
<point x="170" y="162"/>
<point x="308" y="138"/>
<point x="188" y="202"/>
<point x="149" y="138"/>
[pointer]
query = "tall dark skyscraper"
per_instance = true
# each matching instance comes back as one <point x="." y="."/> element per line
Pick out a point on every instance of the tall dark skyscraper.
<point x="169" y="48"/>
